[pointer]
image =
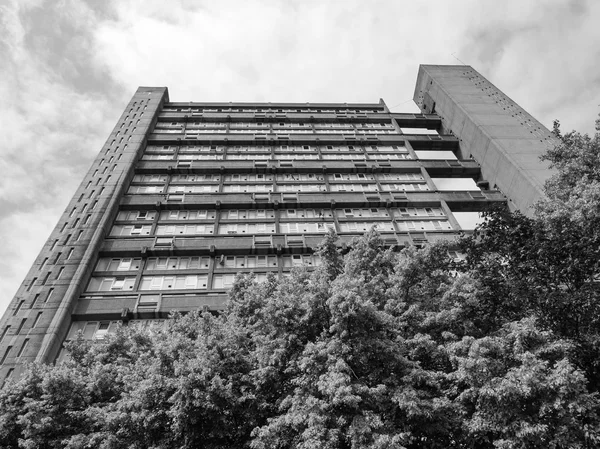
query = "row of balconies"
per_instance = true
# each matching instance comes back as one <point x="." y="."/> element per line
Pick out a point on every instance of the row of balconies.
<point x="409" y="120"/>
<point x="434" y="167"/>
<point x="475" y="201"/>
<point x="421" y="141"/>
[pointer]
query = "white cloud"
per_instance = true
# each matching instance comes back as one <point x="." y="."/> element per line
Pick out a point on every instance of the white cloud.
<point x="68" y="69"/>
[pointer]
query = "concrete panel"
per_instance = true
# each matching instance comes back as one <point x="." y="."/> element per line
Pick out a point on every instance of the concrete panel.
<point x="496" y="131"/>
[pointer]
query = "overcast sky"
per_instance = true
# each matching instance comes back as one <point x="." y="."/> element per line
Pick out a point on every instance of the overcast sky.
<point x="67" y="69"/>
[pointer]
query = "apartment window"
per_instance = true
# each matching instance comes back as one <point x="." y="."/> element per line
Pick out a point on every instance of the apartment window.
<point x="189" y="282"/>
<point x="118" y="264"/>
<point x="79" y="234"/>
<point x="4" y="332"/>
<point x="177" y="263"/>
<point x="102" y="331"/>
<point x="31" y="284"/>
<point x="301" y="260"/>
<point x="130" y="230"/>
<point x="50" y="293"/>
<point x="72" y="212"/>
<point x="23" y="347"/>
<point x="60" y="272"/>
<point x="223" y="281"/>
<point x="54" y="245"/>
<point x="35" y="298"/>
<point x="37" y="320"/>
<point x="248" y="262"/>
<point x="21" y="324"/>
<point x="9" y="374"/>
<point x="18" y="308"/>
<point x="43" y="264"/>
<point x="46" y="277"/>
<point x="6" y="353"/>
<point x="106" y="284"/>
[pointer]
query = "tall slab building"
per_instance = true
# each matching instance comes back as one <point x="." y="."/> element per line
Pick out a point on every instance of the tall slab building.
<point x="185" y="195"/>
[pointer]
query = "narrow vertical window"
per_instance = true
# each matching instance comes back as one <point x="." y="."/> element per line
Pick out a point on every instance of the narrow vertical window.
<point x="21" y="324"/>
<point x="4" y="332"/>
<point x="37" y="320"/>
<point x="43" y="264"/>
<point x="60" y="272"/>
<point x="8" y="348"/>
<point x="33" y="281"/>
<point x="50" y="293"/>
<point x="23" y="347"/>
<point x="35" y="298"/>
<point x="46" y="277"/>
<point x="70" y="253"/>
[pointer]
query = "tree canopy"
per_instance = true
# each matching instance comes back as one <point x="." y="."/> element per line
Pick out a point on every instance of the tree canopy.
<point x="373" y="349"/>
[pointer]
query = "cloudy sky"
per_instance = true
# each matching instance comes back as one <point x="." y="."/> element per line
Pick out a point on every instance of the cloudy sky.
<point x="67" y="69"/>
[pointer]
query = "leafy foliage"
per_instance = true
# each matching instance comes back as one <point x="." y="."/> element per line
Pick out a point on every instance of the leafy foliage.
<point x="374" y="349"/>
<point x="548" y="266"/>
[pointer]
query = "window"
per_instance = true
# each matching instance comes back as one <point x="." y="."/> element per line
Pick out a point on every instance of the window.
<point x="223" y="281"/>
<point x="21" y="324"/>
<point x="23" y="347"/>
<point x="18" y="308"/>
<point x="37" y="320"/>
<point x="130" y="230"/>
<point x="101" y="331"/>
<point x="248" y="261"/>
<point x="4" y="332"/>
<point x="4" y="357"/>
<point x="106" y="284"/>
<point x="301" y="260"/>
<point x="177" y="263"/>
<point x="174" y="282"/>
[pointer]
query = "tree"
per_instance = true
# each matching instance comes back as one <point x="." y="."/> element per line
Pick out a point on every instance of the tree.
<point x="548" y="266"/>
<point x="374" y="349"/>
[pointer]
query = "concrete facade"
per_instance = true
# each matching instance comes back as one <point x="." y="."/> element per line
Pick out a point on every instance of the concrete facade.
<point x="492" y="129"/>
<point x="185" y="195"/>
